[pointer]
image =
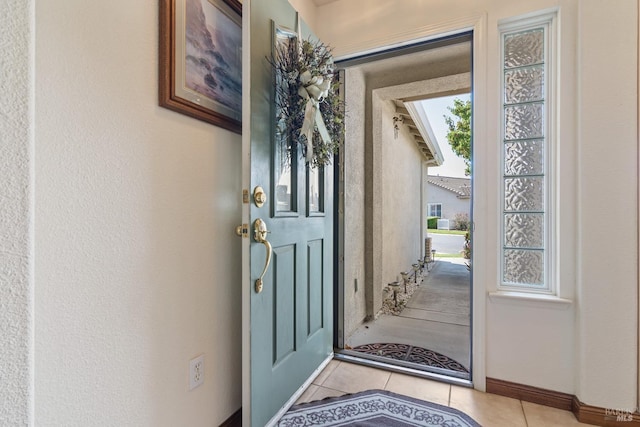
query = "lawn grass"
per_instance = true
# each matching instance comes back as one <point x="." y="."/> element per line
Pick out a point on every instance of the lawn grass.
<point x="439" y="255"/>
<point x="434" y="231"/>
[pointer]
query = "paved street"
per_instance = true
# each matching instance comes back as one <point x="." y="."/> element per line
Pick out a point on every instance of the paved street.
<point x="446" y="243"/>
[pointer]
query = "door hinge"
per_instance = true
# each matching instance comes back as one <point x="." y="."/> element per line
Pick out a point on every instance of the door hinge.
<point x="245" y="196"/>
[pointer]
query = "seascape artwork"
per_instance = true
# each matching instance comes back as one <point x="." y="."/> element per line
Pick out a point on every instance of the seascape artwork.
<point x="213" y="57"/>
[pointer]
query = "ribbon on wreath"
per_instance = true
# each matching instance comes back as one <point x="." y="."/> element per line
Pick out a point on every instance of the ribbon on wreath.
<point x="313" y="89"/>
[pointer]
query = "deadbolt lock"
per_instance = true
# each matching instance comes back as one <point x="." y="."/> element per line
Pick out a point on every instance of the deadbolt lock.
<point x="259" y="196"/>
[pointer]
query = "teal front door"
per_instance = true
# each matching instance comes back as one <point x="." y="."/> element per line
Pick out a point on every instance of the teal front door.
<point x="287" y="316"/>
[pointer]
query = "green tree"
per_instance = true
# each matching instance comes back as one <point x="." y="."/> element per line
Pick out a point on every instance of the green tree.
<point x="459" y="135"/>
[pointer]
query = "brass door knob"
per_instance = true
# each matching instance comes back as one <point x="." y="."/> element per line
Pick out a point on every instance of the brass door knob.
<point x="260" y="235"/>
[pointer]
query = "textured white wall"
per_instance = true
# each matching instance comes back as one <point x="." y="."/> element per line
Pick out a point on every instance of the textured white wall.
<point x="16" y="206"/>
<point x="307" y="10"/>
<point x="135" y="207"/>
<point x="137" y="264"/>
<point x="602" y="120"/>
<point x="608" y="256"/>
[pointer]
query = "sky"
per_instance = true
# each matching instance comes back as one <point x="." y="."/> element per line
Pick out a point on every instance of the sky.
<point x="436" y="109"/>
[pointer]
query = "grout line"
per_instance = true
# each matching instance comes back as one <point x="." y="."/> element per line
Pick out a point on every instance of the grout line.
<point x="329" y="375"/>
<point x="334" y="389"/>
<point x="524" y="414"/>
<point x="387" y="382"/>
<point x="449" y="400"/>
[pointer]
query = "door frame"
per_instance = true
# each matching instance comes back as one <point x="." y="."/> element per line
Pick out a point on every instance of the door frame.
<point x="477" y="26"/>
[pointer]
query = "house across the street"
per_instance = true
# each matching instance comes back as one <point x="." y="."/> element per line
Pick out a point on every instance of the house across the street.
<point x="449" y="198"/>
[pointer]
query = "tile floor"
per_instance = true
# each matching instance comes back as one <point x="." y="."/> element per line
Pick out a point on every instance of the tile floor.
<point x="489" y="410"/>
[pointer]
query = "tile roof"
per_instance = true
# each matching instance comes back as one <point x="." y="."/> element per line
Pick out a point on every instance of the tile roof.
<point x="460" y="186"/>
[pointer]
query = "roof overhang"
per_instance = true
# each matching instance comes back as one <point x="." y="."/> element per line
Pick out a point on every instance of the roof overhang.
<point x="428" y="139"/>
<point x="406" y="98"/>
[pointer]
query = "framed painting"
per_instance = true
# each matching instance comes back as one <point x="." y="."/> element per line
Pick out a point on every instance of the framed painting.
<point x="201" y="60"/>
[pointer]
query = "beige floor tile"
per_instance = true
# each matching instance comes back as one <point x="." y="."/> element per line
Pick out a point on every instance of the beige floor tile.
<point x="326" y="372"/>
<point x="306" y="396"/>
<point x="489" y="410"/>
<point x="351" y="378"/>
<point x="324" y="392"/>
<point x="419" y="388"/>
<point x="544" y="416"/>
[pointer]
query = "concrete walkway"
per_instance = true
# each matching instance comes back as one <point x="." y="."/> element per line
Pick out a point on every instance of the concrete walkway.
<point x="437" y="316"/>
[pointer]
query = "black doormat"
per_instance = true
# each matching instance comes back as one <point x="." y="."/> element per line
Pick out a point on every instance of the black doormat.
<point x="409" y="353"/>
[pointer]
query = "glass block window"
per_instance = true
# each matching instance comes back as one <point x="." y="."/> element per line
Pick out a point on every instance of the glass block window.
<point x="526" y="140"/>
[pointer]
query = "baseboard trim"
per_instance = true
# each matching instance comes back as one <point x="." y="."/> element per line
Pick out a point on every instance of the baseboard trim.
<point x="584" y="413"/>
<point x="235" y="420"/>
<point x="602" y="417"/>
<point x="531" y="394"/>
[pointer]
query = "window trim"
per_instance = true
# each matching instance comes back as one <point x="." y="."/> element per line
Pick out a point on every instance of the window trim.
<point x="429" y="205"/>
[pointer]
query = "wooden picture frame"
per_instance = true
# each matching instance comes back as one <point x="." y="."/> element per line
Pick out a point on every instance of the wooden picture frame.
<point x="201" y="60"/>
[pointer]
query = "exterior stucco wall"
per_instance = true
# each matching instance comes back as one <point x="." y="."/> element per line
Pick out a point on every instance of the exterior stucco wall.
<point x="401" y="198"/>
<point x="355" y="309"/>
<point x="394" y="199"/>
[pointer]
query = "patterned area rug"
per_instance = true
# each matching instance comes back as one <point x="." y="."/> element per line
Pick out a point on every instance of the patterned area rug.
<point x="412" y="354"/>
<point x="374" y="408"/>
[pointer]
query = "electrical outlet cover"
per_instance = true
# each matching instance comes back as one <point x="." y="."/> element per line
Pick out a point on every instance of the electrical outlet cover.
<point x="196" y="372"/>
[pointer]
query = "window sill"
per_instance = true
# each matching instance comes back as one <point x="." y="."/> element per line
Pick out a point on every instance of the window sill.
<point x="530" y="299"/>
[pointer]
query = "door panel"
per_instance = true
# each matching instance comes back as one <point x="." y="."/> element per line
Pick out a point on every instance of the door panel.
<point x="284" y="307"/>
<point x="290" y="323"/>
<point x="315" y="262"/>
